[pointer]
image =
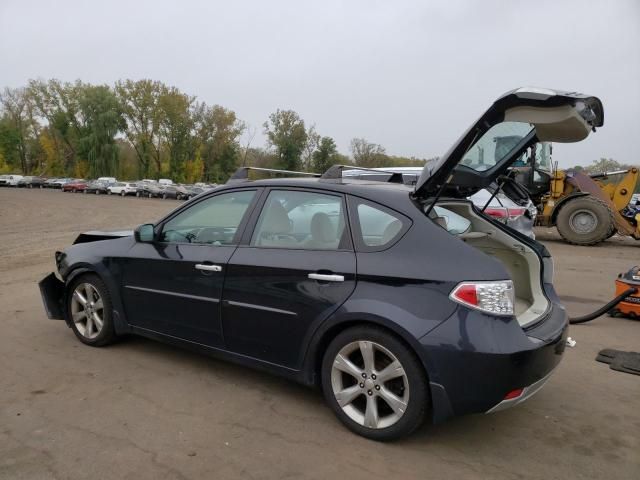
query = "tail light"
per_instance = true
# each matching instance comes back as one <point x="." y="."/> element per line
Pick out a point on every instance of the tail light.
<point x="503" y="213"/>
<point x="496" y="298"/>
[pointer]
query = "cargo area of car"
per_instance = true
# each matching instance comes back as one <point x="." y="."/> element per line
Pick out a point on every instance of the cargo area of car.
<point x="522" y="263"/>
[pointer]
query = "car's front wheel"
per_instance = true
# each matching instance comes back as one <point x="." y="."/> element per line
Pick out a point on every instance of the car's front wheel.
<point x="374" y="383"/>
<point x="90" y="311"/>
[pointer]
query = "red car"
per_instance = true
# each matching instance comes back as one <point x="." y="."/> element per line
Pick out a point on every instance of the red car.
<point x="75" y="186"/>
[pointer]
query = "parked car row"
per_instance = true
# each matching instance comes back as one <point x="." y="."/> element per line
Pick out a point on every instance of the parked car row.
<point x="163" y="188"/>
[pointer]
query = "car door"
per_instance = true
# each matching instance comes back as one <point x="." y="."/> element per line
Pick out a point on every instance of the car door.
<point x="173" y="285"/>
<point x="290" y="273"/>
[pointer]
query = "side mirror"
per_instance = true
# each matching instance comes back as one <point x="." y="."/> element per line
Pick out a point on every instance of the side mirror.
<point x="145" y="233"/>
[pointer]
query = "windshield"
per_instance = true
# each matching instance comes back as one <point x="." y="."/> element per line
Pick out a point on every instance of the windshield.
<point x="543" y="156"/>
<point x="495" y="144"/>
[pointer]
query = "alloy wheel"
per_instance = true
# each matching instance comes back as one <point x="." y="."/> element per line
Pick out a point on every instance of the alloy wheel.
<point x="370" y="384"/>
<point x="87" y="310"/>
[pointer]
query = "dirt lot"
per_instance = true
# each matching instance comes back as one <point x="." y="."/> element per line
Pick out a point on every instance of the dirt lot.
<point x="141" y="410"/>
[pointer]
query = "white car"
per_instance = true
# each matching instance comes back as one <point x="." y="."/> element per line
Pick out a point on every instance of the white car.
<point x="107" y="180"/>
<point x="122" y="189"/>
<point x="165" y="181"/>
<point x="10" y="180"/>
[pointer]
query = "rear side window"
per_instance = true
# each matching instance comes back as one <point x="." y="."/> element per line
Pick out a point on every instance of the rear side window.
<point x="302" y="220"/>
<point x="377" y="227"/>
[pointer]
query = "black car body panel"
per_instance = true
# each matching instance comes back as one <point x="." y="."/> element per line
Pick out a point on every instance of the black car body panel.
<point x="97" y="235"/>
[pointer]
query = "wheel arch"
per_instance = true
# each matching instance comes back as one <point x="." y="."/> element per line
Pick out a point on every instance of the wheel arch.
<point x="439" y="408"/>
<point x="324" y="336"/>
<point x="120" y="323"/>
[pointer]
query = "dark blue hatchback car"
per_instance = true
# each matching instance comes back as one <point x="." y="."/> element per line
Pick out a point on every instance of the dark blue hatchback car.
<point x="402" y="303"/>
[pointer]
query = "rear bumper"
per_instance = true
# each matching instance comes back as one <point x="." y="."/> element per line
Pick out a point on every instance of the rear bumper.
<point x="52" y="292"/>
<point x="475" y="360"/>
<point x="527" y="392"/>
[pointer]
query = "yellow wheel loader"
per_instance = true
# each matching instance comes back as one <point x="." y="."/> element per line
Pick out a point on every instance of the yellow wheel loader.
<point x="586" y="209"/>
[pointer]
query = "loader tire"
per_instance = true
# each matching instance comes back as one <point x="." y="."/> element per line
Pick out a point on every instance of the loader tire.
<point x="585" y="221"/>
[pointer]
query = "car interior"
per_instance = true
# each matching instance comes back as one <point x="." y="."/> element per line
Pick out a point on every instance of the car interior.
<point x="522" y="263"/>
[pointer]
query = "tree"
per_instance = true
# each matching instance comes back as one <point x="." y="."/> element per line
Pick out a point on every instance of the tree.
<point x="18" y="125"/>
<point x="101" y="122"/>
<point x="10" y="147"/>
<point x="140" y="105"/>
<point x="326" y="155"/>
<point x="58" y="104"/>
<point x="367" y="154"/>
<point x="604" y="165"/>
<point x="260" y="157"/>
<point x="286" y="133"/>
<point x="313" y="141"/>
<point x="176" y="129"/>
<point x="217" y="133"/>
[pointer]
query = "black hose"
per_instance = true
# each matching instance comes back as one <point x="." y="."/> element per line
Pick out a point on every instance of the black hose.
<point x="604" y="308"/>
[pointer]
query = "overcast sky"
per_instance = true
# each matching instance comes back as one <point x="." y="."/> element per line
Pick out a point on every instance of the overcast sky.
<point x="407" y="75"/>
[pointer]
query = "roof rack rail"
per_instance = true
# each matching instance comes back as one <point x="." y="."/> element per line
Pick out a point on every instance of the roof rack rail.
<point x="335" y="172"/>
<point x="242" y="173"/>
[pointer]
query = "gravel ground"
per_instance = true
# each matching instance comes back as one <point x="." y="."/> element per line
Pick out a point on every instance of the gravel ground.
<point x="140" y="409"/>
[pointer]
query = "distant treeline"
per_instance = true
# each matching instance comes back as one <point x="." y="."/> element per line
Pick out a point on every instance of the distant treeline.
<point x="146" y="129"/>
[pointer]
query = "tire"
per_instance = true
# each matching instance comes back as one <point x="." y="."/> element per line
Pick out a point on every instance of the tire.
<point x="164" y="196"/>
<point x="150" y="196"/>
<point x="92" y="288"/>
<point x="97" y="192"/>
<point x="137" y="194"/>
<point x="122" y="194"/>
<point x="411" y="387"/>
<point x="109" y="192"/>
<point x="596" y="215"/>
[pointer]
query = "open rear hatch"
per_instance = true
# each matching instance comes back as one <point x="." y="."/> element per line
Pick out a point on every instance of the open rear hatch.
<point x="514" y="122"/>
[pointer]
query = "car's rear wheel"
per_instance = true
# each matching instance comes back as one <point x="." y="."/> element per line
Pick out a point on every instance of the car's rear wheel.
<point x="122" y="194"/>
<point x="90" y="311"/>
<point x="97" y="192"/>
<point x="374" y="383"/>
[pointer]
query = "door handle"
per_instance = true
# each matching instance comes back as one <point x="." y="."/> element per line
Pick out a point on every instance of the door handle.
<point x="326" y="277"/>
<point x="208" y="268"/>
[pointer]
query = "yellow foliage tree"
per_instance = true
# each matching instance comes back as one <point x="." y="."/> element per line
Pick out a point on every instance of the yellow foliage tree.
<point x="194" y="169"/>
<point x="81" y="169"/>
<point x="53" y="165"/>
<point x="4" y="167"/>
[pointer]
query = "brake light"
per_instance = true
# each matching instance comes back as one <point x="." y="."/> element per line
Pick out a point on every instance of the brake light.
<point x="516" y="212"/>
<point x="499" y="213"/>
<point x="496" y="298"/>
<point x="503" y="213"/>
